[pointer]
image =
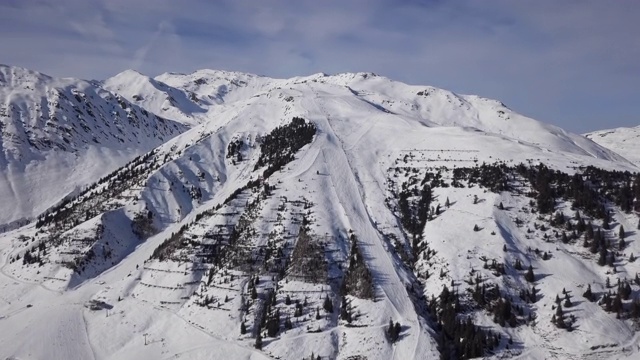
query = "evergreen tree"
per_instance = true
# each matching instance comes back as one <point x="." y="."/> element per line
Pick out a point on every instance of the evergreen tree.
<point x="397" y="329"/>
<point x="559" y="317"/>
<point x="393" y="331"/>
<point x="621" y="233"/>
<point x="588" y="294"/>
<point x="602" y="260"/>
<point x="567" y="301"/>
<point x="258" y="344"/>
<point x="517" y="264"/>
<point x="625" y="291"/>
<point x="605" y="221"/>
<point x="616" y="305"/>
<point x="529" y="276"/>
<point x="345" y="314"/>
<point x="328" y="304"/>
<point x="243" y="328"/>
<point x="590" y="234"/>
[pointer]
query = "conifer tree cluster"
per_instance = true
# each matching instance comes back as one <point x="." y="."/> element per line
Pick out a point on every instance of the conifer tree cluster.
<point x="234" y="150"/>
<point x="393" y="331"/>
<point x="308" y="260"/>
<point x="358" y="280"/>
<point x="142" y="225"/>
<point x="279" y="146"/>
<point x="458" y="336"/>
<point x="620" y="301"/>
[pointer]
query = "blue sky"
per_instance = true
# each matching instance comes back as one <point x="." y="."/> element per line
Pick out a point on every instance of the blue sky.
<point x="574" y="63"/>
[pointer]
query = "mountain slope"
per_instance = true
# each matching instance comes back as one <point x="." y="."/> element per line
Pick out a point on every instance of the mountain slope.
<point x="61" y="134"/>
<point x="299" y="217"/>
<point x="624" y="141"/>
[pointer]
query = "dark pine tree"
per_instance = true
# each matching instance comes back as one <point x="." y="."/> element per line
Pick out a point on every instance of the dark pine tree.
<point x="328" y="304"/>
<point x="258" y="344"/>
<point x="606" y="220"/>
<point x="588" y="294"/>
<point x="529" y="276"/>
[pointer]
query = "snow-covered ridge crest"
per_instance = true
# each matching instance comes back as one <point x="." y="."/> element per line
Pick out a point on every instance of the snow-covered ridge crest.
<point x="624" y="141"/>
<point x="204" y="93"/>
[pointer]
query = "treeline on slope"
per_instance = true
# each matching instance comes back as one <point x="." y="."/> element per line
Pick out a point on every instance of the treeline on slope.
<point x="225" y="247"/>
<point x="414" y="211"/>
<point x="307" y="259"/>
<point x="357" y="281"/>
<point x="458" y="337"/>
<point x="588" y="189"/>
<point x="72" y="210"/>
<point x="620" y="301"/>
<point x="277" y="149"/>
<point x="279" y="146"/>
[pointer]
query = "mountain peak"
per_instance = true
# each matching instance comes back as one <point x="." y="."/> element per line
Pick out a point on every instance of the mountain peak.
<point x="14" y="75"/>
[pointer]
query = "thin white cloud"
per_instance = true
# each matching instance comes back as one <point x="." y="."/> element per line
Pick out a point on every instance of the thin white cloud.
<point x="547" y="58"/>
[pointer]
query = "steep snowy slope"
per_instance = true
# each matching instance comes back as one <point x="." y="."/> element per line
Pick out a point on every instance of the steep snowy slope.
<point x="624" y="141"/>
<point x="301" y="216"/>
<point x="61" y="134"/>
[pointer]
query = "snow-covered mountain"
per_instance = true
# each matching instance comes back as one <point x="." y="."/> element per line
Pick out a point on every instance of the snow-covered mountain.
<point x="297" y="218"/>
<point x="61" y="134"/>
<point x="624" y="141"/>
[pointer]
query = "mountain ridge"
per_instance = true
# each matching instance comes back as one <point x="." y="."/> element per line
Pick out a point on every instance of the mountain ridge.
<point x="55" y="126"/>
<point x="623" y="140"/>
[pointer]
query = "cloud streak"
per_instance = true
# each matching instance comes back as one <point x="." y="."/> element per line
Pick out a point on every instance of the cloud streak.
<point x="573" y="63"/>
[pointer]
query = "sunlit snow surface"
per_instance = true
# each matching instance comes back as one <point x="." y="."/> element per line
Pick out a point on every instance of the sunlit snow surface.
<point x="366" y="125"/>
